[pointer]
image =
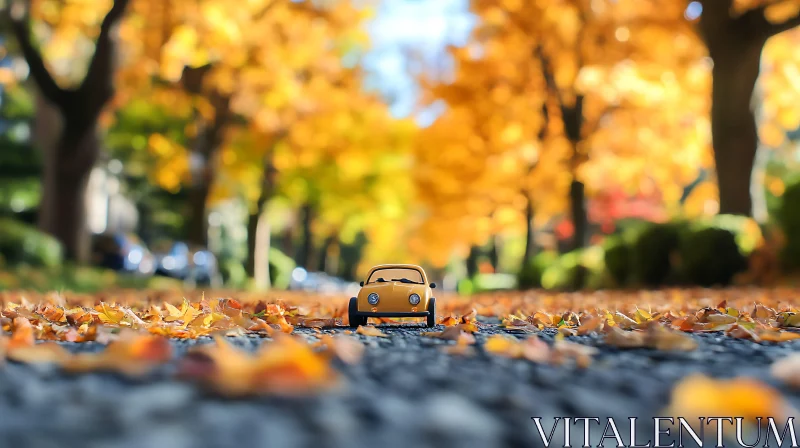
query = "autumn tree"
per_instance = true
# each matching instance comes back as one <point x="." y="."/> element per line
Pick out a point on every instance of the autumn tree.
<point x="337" y="164"/>
<point x="735" y="33"/>
<point x="241" y="68"/>
<point x="70" y="159"/>
<point x="552" y="100"/>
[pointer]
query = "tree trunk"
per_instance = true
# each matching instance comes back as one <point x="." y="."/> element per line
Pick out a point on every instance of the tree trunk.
<point x="252" y="229"/>
<point x="304" y="258"/>
<point x="258" y="230"/>
<point x="580" y="221"/>
<point x="261" y="253"/>
<point x="472" y="262"/>
<point x="197" y="227"/>
<point x="573" y="128"/>
<point x="67" y="167"/>
<point x="757" y="190"/>
<point x="530" y="244"/>
<point x="735" y="45"/>
<point x="324" y="251"/>
<point x="69" y="161"/>
<point x="733" y="123"/>
<point x="287" y="242"/>
<point x="494" y="256"/>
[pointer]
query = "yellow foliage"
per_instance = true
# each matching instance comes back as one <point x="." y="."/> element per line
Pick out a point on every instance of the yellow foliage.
<point x="638" y="73"/>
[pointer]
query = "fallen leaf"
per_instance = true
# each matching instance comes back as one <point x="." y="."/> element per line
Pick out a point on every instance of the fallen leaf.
<point x="21" y="334"/>
<point x="564" y="350"/>
<point x="48" y="352"/>
<point x="345" y="348"/>
<point x="536" y="350"/>
<point x="448" y="321"/>
<point x="471" y="316"/>
<point x="503" y="346"/>
<point x="662" y="338"/>
<point x="133" y="354"/>
<point x="567" y="331"/>
<point x="449" y="333"/>
<point x="740" y="332"/>
<point x="788" y="370"/>
<point x="698" y="395"/>
<point x="624" y="339"/>
<point x="590" y="325"/>
<point x="285" y="366"/>
<point x="370" y="331"/>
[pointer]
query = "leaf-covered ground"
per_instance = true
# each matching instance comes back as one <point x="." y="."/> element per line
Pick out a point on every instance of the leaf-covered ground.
<point x="226" y="369"/>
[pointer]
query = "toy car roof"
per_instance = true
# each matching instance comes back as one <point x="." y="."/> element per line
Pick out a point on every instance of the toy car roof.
<point x="397" y="266"/>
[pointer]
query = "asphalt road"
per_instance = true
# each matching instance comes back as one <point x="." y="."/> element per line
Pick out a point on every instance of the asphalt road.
<point x="404" y="392"/>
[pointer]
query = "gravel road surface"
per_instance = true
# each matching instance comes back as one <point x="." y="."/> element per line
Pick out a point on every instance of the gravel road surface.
<point x="405" y="392"/>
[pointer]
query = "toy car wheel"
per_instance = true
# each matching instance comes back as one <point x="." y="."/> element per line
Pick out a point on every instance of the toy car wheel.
<point x="432" y="312"/>
<point x="352" y="314"/>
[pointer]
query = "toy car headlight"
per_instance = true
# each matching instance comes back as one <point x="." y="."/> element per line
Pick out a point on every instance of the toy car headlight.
<point x="372" y="299"/>
<point x="413" y="299"/>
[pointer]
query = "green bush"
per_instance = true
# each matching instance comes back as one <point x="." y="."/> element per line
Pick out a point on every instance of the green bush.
<point x="530" y="276"/>
<point x="747" y="232"/>
<point x="23" y="244"/>
<point x="280" y="268"/>
<point x="653" y="254"/>
<point x="617" y="257"/>
<point x="710" y="256"/>
<point x="233" y="273"/>
<point x="493" y="282"/>
<point x="465" y="287"/>
<point x="788" y="216"/>
<point x="569" y="273"/>
<point x="79" y="279"/>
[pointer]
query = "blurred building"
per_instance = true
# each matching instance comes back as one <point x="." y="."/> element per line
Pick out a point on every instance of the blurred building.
<point x="108" y="209"/>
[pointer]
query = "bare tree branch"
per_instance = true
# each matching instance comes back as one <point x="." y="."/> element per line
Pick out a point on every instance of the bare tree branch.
<point x="764" y="29"/>
<point x="20" y="25"/>
<point x="100" y="75"/>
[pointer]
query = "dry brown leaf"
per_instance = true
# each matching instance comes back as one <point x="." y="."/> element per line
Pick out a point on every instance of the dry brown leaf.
<point x="452" y="333"/>
<point x="286" y="366"/>
<point x="564" y="350"/>
<point x="788" y="370"/>
<point x="132" y="354"/>
<point x="536" y="350"/>
<point x="567" y="331"/>
<point x="777" y="336"/>
<point x="739" y="332"/>
<point x="346" y="348"/>
<point x="624" y="339"/>
<point x="448" y="321"/>
<point x="471" y="316"/>
<point x="590" y="325"/>
<point x="655" y="336"/>
<point x="48" y="352"/>
<point x="370" y="331"/>
<point x="661" y="338"/>
<point x="463" y="345"/>
<point x="21" y="334"/>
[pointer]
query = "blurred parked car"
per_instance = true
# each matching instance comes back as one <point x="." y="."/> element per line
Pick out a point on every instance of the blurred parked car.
<point x="193" y="264"/>
<point x="122" y="252"/>
<point x="321" y="282"/>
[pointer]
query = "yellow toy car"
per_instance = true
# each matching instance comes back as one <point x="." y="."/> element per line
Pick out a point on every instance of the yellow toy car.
<point x="394" y="290"/>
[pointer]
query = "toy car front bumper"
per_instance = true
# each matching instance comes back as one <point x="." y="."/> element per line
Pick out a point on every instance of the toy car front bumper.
<point x="390" y="314"/>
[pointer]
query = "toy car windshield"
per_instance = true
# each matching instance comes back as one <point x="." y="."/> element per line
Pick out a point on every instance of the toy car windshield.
<point x="396" y="275"/>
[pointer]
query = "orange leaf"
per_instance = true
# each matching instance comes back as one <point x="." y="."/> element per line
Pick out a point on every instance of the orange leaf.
<point x="370" y="331"/>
